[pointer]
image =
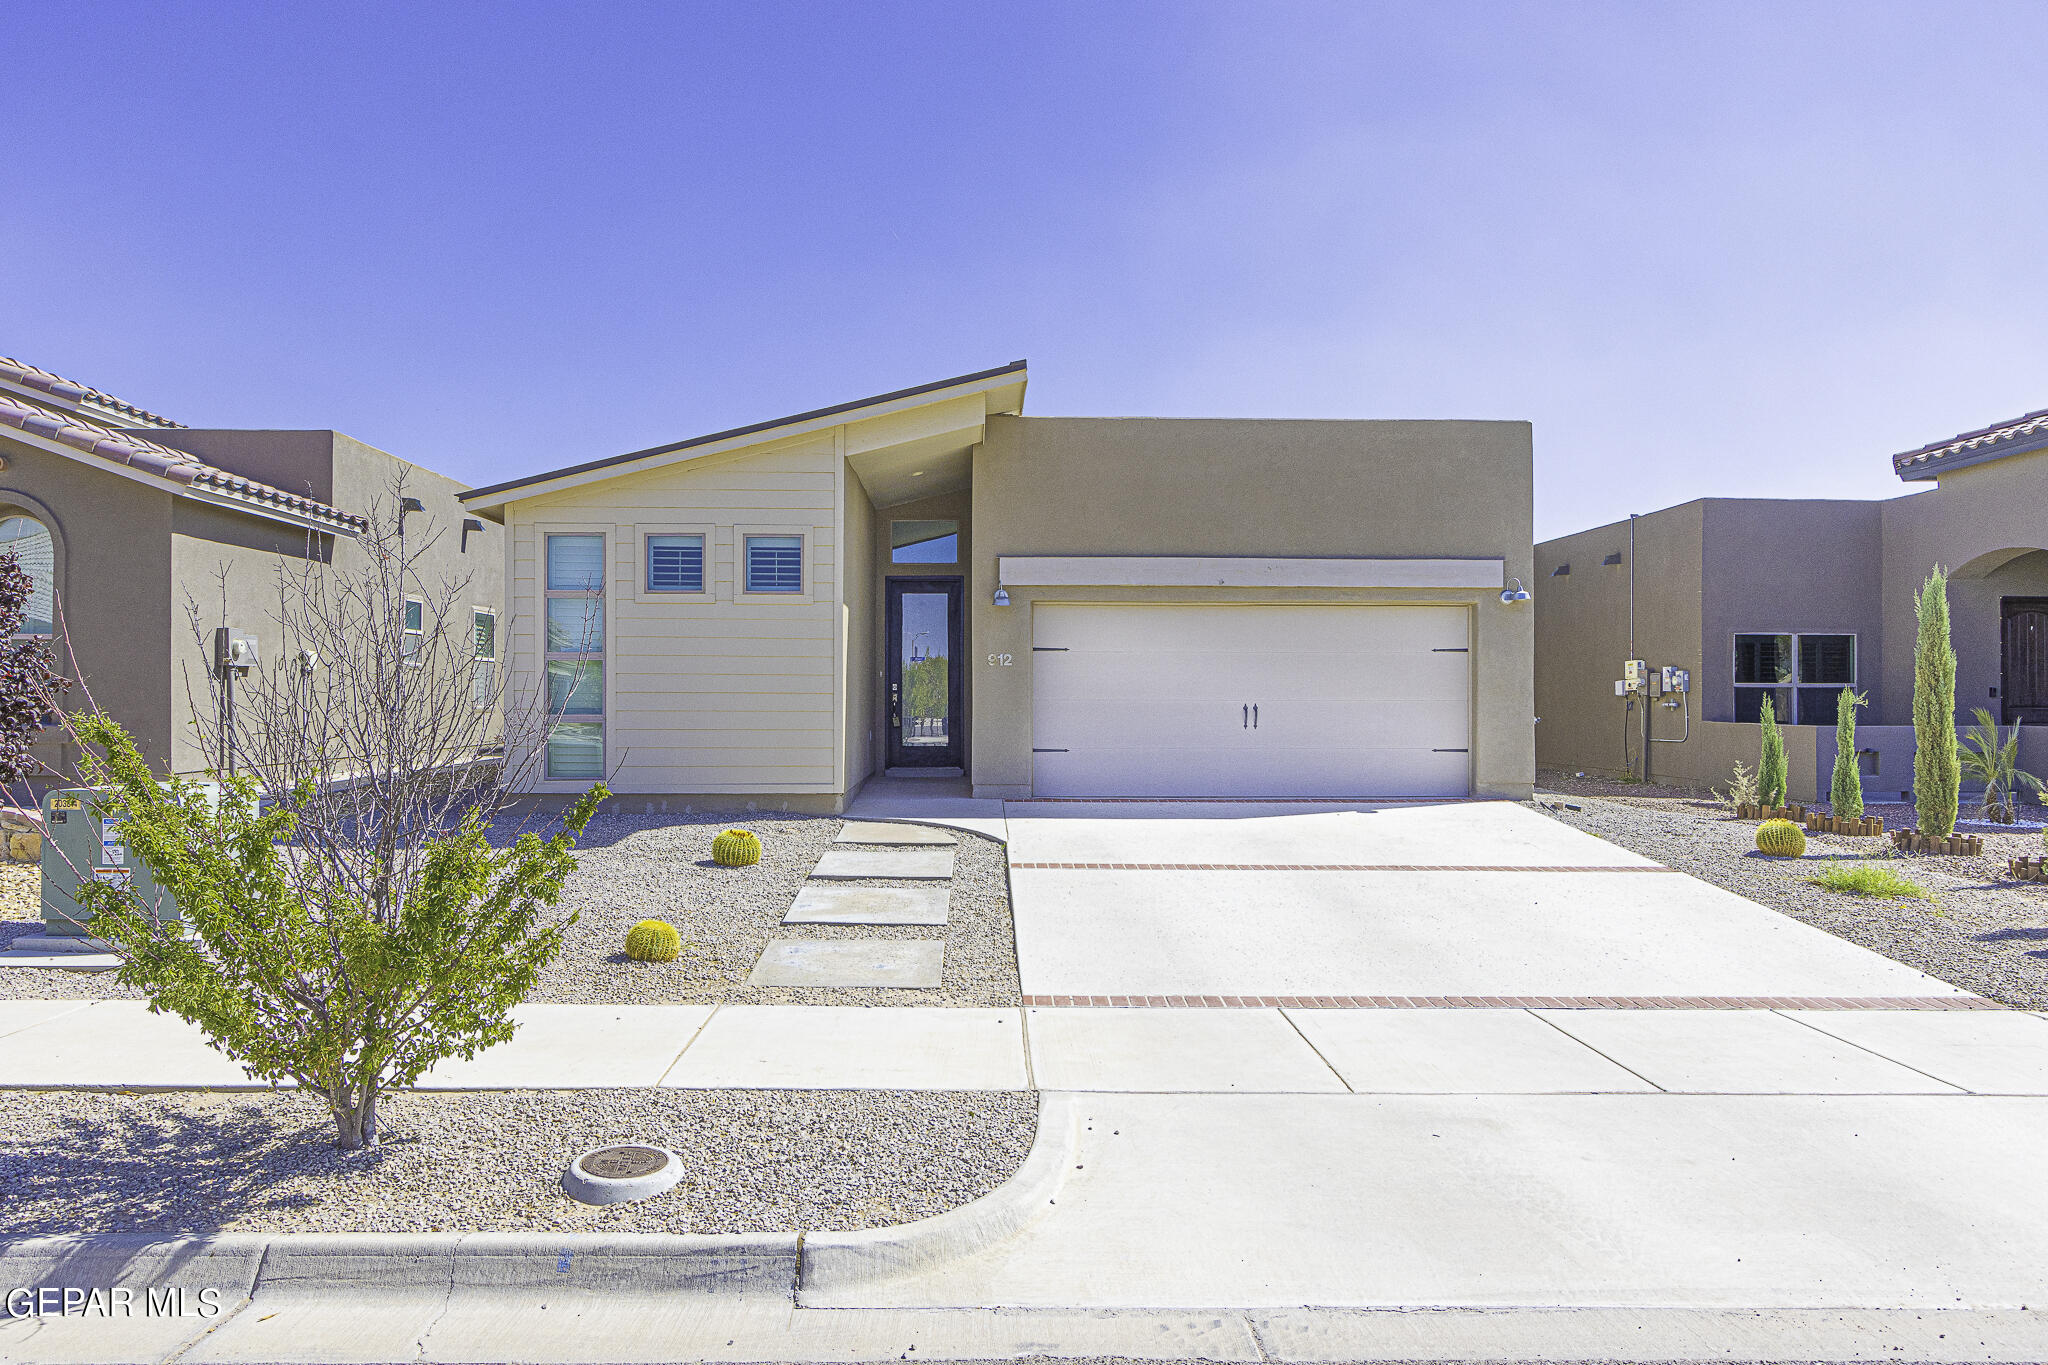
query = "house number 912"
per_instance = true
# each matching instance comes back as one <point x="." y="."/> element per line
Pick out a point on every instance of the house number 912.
<point x="998" y="661"/>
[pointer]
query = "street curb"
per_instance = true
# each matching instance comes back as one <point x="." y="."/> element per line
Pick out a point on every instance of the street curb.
<point x="247" y="1265"/>
<point x="844" y="1269"/>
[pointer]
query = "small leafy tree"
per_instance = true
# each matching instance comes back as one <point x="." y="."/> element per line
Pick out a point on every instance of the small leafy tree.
<point x="1770" y="768"/>
<point x="28" y="676"/>
<point x="1741" y="789"/>
<point x="1994" y="761"/>
<point x="1937" y="771"/>
<point x="1845" y="792"/>
<point x="350" y="915"/>
<point x="327" y="992"/>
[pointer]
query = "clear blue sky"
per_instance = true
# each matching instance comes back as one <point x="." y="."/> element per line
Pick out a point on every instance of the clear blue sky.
<point x="1716" y="249"/>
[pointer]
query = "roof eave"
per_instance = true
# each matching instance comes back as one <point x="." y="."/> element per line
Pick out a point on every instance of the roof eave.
<point x="492" y="497"/>
<point x="1926" y="470"/>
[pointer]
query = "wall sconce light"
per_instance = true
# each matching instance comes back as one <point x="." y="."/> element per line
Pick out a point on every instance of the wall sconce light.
<point x="1514" y="592"/>
<point x="408" y="505"/>
<point x="1002" y="598"/>
<point x="470" y="524"/>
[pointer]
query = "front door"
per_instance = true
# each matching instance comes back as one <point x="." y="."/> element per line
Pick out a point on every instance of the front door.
<point x="924" y="654"/>
<point x="2023" y="665"/>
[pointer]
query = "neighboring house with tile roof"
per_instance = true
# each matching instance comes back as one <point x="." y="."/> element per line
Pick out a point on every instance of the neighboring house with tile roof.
<point x="1794" y="599"/>
<point x="123" y="516"/>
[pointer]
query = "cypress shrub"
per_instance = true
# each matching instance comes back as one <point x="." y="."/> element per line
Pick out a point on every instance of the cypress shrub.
<point x="1845" y="793"/>
<point x="1937" y="770"/>
<point x="1770" y="769"/>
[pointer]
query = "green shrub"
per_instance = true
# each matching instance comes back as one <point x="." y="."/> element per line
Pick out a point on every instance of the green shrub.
<point x="653" y="940"/>
<point x="1780" y="839"/>
<point x="736" y="848"/>
<point x="1994" y="761"/>
<point x="1845" y="792"/>
<point x="1937" y="771"/>
<point x="1870" y="879"/>
<point x="1770" y="768"/>
<point x="1741" y="789"/>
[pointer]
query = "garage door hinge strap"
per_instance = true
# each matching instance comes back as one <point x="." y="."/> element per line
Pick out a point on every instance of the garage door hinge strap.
<point x="1460" y="649"/>
<point x="1049" y="649"/>
<point x="1450" y="751"/>
<point x="1048" y="751"/>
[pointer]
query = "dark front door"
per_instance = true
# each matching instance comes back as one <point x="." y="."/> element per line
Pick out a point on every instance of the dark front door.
<point x="925" y="683"/>
<point x="2023" y="671"/>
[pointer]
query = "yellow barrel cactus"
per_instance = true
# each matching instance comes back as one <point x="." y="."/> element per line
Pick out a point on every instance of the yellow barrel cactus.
<point x="1780" y="839"/>
<point x="736" y="848"/>
<point x="653" y="940"/>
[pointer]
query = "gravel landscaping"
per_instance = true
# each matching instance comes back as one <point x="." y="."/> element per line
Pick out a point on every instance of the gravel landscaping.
<point x="1980" y="931"/>
<point x="658" y="866"/>
<point x="754" y="1161"/>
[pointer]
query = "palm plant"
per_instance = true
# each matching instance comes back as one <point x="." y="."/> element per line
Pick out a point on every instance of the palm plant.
<point x="1994" y="760"/>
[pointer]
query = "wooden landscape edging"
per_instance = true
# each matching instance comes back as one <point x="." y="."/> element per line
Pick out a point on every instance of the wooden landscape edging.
<point x="2028" y="869"/>
<point x="1816" y="823"/>
<point x="1958" y="845"/>
<point x="1793" y="813"/>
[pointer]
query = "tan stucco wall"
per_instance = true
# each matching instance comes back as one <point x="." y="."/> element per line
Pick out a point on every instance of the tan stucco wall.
<point x="112" y="538"/>
<point x="1582" y="637"/>
<point x="1155" y="486"/>
<point x="1983" y="510"/>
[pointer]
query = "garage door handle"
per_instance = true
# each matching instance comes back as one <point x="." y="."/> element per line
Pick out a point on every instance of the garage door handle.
<point x="1255" y="715"/>
<point x="1246" y="723"/>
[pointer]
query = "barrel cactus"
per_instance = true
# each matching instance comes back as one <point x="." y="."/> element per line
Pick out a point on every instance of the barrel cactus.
<point x="1780" y="839"/>
<point x="653" y="940"/>
<point x="736" y="848"/>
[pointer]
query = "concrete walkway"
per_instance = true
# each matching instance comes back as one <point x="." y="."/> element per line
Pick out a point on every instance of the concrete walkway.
<point x="119" y="1044"/>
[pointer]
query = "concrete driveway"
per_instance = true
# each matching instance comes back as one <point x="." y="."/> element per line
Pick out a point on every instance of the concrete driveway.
<point x="1486" y="899"/>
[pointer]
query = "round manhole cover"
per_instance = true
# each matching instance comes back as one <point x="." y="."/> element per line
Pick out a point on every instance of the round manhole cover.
<point x="624" y="1163"/>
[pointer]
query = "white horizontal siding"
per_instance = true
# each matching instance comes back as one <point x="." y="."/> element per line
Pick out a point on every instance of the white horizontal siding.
<point x="725" y="692"/>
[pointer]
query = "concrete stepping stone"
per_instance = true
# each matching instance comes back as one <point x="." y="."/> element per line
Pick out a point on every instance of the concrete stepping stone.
<point x="823" y="903"/>
<point x="876" y="832"/>
<point x="899" y="963"/>
<point x="886" y="864"/>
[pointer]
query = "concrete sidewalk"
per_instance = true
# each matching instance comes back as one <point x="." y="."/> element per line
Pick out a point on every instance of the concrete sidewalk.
<point x="119" y="1044"/>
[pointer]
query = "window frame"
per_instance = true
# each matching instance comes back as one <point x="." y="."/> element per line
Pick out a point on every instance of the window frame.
<point x="896" y="563"/>
<point x="807" y="583"/>
<point x="477" y="656"/>
<point x="707" y="533"/>
<point x="49" y="531"/>
<point x="412" y="642"/>
<point x="601" y="591"/>
<point x="1795" y="685"/>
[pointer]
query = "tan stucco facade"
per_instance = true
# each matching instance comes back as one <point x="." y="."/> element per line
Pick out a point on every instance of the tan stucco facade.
<point x="726" y="701"/>
<point x="1706" y="571"/>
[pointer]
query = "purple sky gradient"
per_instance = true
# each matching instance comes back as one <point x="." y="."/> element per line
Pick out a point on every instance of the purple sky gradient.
<point x="1708" y="249"/>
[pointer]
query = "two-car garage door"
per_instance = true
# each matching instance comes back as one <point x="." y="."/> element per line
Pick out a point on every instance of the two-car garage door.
<point x="1250" y="701"/>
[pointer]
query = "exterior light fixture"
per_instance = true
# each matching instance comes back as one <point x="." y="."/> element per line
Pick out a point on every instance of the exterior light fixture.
<point x="1514" y="592"/>
<point x="408" y="505"/>
<point x="1002" y="598"/>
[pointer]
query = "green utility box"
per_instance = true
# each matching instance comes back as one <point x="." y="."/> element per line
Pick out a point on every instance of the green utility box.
<point x="79" y="842"/>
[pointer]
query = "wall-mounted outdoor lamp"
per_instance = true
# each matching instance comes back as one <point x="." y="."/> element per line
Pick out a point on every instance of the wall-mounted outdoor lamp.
<point x="1514" y="592"/>
<point x="1002" y="598"/>
<point x="408" y="505"/>
<point x="470" y="524"/>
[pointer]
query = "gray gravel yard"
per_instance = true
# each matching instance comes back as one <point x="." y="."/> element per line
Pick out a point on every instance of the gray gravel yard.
<point x="754" y="1161"/>
<point x="1981" y="932"/>
<point x="658" y="866"/>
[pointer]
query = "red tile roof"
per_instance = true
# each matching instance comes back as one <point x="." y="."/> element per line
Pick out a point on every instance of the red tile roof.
<point x="174" y="466"/>
<point x="1973" y="447"/>
<point x="31" y="377"/>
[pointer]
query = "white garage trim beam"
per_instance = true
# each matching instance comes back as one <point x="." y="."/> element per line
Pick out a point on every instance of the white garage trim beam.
<point x="1148" y="571"/>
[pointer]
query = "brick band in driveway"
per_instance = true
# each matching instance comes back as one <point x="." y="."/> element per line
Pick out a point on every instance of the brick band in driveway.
<point x="1519" y="1002"/>
<point x="1320" y="867"/>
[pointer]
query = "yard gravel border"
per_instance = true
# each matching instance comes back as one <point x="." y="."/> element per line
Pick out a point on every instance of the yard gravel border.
<point x="754" y="1160"/>
<point x="657" y="865"/>
<point x="1981" y="932"/>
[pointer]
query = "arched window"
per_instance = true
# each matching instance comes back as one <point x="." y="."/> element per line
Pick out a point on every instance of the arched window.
<point x="28" y="540"/>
